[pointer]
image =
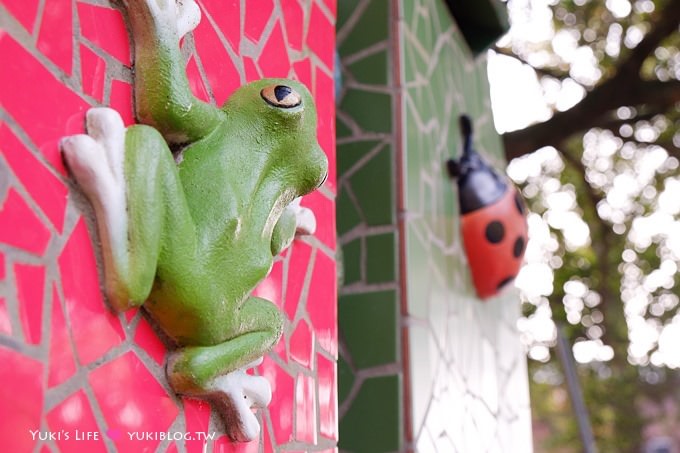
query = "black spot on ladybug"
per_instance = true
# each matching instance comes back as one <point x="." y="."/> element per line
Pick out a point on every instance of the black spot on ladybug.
<point x="519" y="203"/>
<point x="518" y="248"/>
<point x="504" y="282"/>
<point x="495" y="232"/>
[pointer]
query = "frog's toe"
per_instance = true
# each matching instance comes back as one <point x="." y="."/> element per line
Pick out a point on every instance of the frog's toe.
<point x="258" y="390"/>
<point x="83" y="156"/>
<point x="236" y="393"/>
<point x="106" y="127"/>
<point x="305" y="221"/>
<point x="188" y="16"/>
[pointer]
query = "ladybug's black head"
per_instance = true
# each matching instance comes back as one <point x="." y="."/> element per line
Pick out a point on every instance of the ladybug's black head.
<point x="479" y="185"/>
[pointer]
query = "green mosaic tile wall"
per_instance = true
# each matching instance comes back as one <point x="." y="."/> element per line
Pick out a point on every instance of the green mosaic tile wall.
<point x="463" y="361"/>
<point x="370" y="370"/>
<point x="468" y="376"/>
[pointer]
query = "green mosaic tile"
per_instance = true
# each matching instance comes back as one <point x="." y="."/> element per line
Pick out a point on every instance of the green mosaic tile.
<point x="371" y="28"/>
<point x="369" y="324"/>
<point x="341" y="129"/>
<point x="349" y="153"/>
<point x="351" y="255"/>
<point x="371" y="70"/>
<point x="347" y="215"/>
<point x="345" y="10"/>
<point x="372" y="423"/>
<point x="374" y="182"/>
<point x="345" y="379"/>
<point x="423" y="30"/>
<point x="371" y="111"/>
<point x="418" y="288"/>
<point x="380" y="258"/>
<point x="442" y="16"/>
<point x="417" y="64"/>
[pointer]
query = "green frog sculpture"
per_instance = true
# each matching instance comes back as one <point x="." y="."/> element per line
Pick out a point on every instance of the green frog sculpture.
<point x="188" y="236"/>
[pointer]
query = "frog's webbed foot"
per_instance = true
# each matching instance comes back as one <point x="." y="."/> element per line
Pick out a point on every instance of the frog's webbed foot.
<point x="96" y="161"/>
<point x="305" y="221"/>
<point x="183" y="14"/>
<point x="234" y="394"/>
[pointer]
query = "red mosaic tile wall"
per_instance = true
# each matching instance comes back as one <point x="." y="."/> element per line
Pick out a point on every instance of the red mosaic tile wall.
<point x="73" y="376"/>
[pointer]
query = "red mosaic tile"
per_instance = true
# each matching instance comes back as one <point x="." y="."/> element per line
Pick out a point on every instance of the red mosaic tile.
<point x="322" y="303"/>
<point x="45" y="188"/>
<point x="20" y="227"/>
<point x="270" y="287"/>
<point x="93" y="72"/>
<point x="282" y="404"/>
<point x="323" y="208"/>
<point x="105" y="28"/>
<point x="297" y="270"/>
<point x="121" y="100"/>
<point x="252" y="71"/>
<point x="149" y="341"/>
<point x="195" y="81"/>
<point x="25" y="102"/>
<point x="30" y="281"/>
<point x="61" y="363"/>
<point x="224" y="445"/>
<point x="132" y="402"/>
<point x="332" y="6"/>
<point x="274" y="60"/>
<point x="267" y="446"/>
<point x="302" y="344"/>
<point x="321" y="37"/>
<point x="325" y="106"/>
<point x="328" y="399"/>
<point x="305" y="409"/>
<point x="95" y="329"/>
<point x="257" y="17"/>
<point x="21" y="394"/>
<point x="197" y="419"/>
<point x="303" y="73"/>
<point x="5" y="324"/>
<point x="220" y="70"/>
<point x="227" y="15"/>
<point x="294" y="17"/>
<point x="25" y="12"/>
<point x="74" y="416"/>
<point x="55" y="40"/>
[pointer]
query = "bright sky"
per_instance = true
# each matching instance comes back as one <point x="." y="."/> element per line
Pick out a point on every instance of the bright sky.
<point x="519" y="99"/>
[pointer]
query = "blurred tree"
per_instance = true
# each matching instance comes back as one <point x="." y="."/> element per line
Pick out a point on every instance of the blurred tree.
<point x="601" y="178"/>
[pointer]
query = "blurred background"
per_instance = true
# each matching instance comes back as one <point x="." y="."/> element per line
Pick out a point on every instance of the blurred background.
<point x="586" y="95"/>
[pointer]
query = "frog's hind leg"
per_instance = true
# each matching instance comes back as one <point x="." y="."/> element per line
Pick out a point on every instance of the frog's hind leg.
<point x="218" y="372"/>
<point x="123" y="172"/>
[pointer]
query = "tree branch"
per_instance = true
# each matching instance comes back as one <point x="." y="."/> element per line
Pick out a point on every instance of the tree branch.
<point x="623" y="89"/>
<point x="550" y="72"/>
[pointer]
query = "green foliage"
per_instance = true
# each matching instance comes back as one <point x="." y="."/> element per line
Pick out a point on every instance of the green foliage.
<point x="616" y="290"/>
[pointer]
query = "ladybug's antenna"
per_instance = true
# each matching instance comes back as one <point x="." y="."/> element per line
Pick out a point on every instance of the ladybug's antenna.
<point x="466" y="131"/>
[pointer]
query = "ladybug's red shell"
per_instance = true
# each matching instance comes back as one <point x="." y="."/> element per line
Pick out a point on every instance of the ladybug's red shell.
<point x="495" y="237"/>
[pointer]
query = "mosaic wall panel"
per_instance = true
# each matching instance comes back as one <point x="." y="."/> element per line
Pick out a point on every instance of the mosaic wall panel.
<point x="467" y="369"/>
<point x="76" y="377"/>
<point x="370" y="369"/>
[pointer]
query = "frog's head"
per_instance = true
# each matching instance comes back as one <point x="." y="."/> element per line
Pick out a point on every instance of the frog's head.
<point x="276" y="119"/>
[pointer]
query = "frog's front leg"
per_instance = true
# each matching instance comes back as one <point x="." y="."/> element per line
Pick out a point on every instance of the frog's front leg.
<point x="295" y="220"/>
<point x="130" y="178"/>
<point x="163" y="98"/>
<point x="218" y="372"/>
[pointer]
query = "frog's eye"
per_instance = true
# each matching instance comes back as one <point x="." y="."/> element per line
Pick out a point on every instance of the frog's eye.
<point x="281" y="96"/>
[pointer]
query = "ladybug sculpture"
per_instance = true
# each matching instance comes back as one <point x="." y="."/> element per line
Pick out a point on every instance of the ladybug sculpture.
<point x="493" y="219"/>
